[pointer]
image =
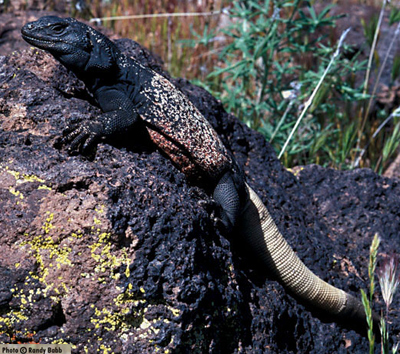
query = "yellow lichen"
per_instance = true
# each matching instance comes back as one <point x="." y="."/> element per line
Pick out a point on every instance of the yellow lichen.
<point x="295" y="171"/>
<point x="175" y="312"/>
<point x="16" y="193"/>
<point x="43" y="186"/>
<point x="14" y="316"/>
<point x="127" y="271"/>
<point x="48" y="225"/>
<point x="110" y="321"/>
<point x="43" y="248"/>
<point x="52" y="254"/>
<point x="100" y="209"/>
<point x="23" y="177"/>
<point x="101" y="252"/>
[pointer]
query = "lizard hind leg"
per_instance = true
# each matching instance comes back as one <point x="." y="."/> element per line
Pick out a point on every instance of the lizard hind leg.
<point x="228" y="195"/>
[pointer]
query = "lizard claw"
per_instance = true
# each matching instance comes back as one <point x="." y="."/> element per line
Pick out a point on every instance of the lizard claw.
<point x="214" y="210"/>
<point x="211" y="206"/>
<point x="82" y="137"/>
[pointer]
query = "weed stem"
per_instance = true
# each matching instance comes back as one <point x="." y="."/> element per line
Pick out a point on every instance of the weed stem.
<point x="310" y="100"/>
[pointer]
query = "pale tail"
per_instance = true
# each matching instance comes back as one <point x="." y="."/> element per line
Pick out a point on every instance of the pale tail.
<point x="272" y="249"/>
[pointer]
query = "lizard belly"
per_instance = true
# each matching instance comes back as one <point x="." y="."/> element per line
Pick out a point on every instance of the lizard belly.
<point x="175" y="154"/>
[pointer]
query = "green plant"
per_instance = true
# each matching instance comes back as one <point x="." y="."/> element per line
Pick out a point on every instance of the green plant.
<point x="313" y="97"/>
<point x="370" y="28"/>
<point x="394" y="15"/>
<point x="396" y="67"/>
<point x="375" y="29"/>
<point x="367" y="301"/>
<point x="389" y="279"/>
<point x="275" y="57"/>
<point x="389" y="142"/>
<point x="390" y="145"/>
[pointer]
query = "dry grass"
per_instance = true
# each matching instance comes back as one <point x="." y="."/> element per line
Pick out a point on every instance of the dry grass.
<point x="163" y="35"/>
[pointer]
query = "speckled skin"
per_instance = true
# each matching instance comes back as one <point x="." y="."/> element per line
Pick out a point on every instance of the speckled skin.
<point x="171" y="118"/>
<point x="127" y="91"/>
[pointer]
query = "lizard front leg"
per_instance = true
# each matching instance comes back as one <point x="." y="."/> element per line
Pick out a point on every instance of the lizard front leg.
<point x="119" y="115"/>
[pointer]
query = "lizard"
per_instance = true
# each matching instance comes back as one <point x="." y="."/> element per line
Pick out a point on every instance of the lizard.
<point x="129" y="94"/>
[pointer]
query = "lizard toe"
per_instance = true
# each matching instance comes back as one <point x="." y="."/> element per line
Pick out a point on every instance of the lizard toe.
<point x="77" y="140"/>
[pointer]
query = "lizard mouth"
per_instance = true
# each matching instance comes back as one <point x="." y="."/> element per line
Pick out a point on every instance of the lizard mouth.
<point x="38" y="42"/>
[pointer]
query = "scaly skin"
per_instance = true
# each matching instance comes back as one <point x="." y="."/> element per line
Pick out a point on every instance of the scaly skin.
<point x="128" y="92"/>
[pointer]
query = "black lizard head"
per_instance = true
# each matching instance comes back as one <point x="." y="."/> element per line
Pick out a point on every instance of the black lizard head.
<point x="77" y="46"/>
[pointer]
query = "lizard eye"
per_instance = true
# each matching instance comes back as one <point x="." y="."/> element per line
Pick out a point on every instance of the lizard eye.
<point x="57" y="28"/>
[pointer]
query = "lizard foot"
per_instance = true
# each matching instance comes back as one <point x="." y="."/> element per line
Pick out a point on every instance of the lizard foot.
<point x="210" y="205"/>
<point x="214" y="210"/>
<point x="82" y="137"/>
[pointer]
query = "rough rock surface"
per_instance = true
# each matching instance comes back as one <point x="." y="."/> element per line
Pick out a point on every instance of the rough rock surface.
<point x="114" y="253"/>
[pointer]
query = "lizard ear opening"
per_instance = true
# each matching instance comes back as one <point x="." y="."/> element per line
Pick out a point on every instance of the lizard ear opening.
<point x="102" y="55"/>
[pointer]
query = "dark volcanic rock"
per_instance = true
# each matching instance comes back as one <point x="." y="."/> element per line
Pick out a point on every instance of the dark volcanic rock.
<point x="114" y="252"/>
